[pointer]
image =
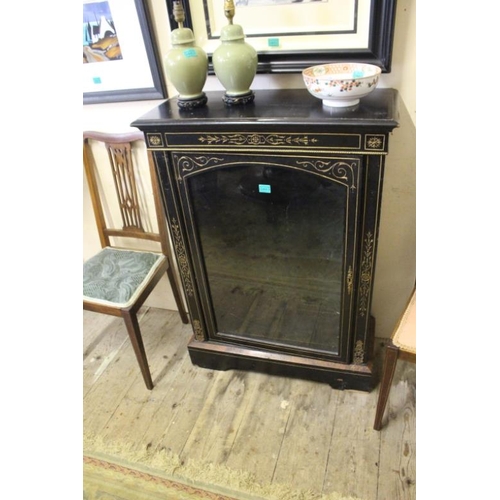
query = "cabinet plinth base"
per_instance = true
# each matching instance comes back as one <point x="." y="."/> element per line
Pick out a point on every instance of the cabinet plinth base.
<point x="218" y="356"/>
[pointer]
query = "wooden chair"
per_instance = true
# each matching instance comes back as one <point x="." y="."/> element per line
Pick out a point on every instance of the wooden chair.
<point x="401" y="346"/>
<point x="118" y="279"/>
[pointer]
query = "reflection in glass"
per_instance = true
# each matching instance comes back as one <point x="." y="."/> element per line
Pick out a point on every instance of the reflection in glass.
<point x="272" y="244"/>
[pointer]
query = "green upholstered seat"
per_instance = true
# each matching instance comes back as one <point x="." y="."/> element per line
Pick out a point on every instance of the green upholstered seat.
<point x="116" y="277"/>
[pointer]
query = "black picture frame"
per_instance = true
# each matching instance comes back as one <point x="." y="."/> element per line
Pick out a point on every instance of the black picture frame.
<point x="158" y="89"/>
<point x="378" y="52"/>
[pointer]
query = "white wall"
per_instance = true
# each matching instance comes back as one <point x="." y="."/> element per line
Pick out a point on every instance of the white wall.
<point x="395" y="268"/>
<point x="396" y="259"/>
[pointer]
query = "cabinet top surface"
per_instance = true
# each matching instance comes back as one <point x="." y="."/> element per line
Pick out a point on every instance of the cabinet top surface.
<point x="290" y="106"/>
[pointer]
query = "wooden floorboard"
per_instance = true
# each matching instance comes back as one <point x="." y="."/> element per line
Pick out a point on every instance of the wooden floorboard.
<point x="306" y="443"/>
<point x="257" y="447"/>
<point x="286" y="431"/>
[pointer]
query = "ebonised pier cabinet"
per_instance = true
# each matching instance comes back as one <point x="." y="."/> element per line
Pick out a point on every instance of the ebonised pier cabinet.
<point x="273" y="209"/>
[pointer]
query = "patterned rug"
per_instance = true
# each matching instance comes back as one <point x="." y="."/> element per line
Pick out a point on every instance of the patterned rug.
<point x="119" y="473"/>
<point x="104" y="480"/>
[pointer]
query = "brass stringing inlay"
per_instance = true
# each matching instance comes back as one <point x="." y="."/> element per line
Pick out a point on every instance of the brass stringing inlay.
<point x="182" y="258"/>
<point x="340" y="170"/>
<point x="359" y="353"/>
<point x="349" y="280"/>
<point x="188" y="163"/>
<point x="366" y="274"/>
<point x="198" y="330"/>
<point x="256" y="140"/>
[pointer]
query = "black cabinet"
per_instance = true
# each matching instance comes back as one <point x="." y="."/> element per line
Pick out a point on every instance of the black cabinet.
<point x="273" y="209"/>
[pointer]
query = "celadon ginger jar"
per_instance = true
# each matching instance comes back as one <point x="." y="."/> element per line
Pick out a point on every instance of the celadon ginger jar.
<point x="235" y="61"/>
<point x="186" y="65"/>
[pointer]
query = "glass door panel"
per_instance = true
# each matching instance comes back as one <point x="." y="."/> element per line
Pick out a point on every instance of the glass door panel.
<point x="272" y="241"/>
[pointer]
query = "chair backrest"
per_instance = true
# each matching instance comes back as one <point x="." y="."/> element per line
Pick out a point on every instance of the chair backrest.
<point x="120" y="211"/>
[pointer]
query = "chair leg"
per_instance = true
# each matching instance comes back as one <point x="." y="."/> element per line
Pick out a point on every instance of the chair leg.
<point x="135" y="336"/>
<point x="391" y="357"/>
<point x="177" y="295"/>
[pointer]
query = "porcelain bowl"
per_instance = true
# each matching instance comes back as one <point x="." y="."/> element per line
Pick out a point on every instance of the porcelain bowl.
<point x="341" y="84"/>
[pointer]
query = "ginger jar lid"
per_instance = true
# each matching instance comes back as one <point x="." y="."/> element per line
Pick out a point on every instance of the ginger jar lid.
<point x="232" y="32"/>
<point x="181" y="36"/>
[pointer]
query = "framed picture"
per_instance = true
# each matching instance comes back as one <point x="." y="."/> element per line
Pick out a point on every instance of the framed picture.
<point x="120" y="60"/>
<point x="291" y="35"/>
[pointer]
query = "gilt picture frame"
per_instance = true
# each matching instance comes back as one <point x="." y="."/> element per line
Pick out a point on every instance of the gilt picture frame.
<point x="291" y="35"/>
<point x="120" y="58"/>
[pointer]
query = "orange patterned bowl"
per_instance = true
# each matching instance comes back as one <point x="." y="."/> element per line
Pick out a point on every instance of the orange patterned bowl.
<point x="341" y="84"/>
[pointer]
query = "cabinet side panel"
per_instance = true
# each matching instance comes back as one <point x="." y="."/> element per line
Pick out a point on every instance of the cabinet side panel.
<point x="179" y="241"/>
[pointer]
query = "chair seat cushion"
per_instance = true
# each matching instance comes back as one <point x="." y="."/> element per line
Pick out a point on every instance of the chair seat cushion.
<point x="115" y="277"/>
<point x="405" y="336"/>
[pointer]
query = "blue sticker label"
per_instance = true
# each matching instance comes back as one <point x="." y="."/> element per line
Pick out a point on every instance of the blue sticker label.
<point x="264" y="188"/>
<point x="190" y="53"/>
<point x="96" y="79"/>
<point x="273" y="42"/>
<point x="357" y="74"/>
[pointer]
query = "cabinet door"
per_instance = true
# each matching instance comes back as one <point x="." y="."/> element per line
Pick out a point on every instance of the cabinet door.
<point x="273" y="242"/>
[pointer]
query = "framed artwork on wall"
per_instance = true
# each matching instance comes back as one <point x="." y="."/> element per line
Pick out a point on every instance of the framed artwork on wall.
<point x="291" y="35"/>
<point x="120" y="60"/>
